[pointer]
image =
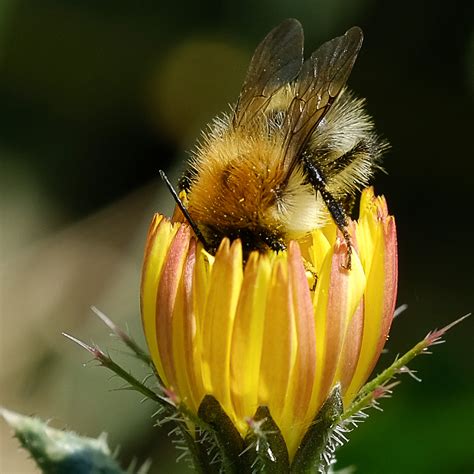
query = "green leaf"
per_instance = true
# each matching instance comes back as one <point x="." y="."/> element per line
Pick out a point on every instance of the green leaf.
<point x="309" y="456"/>
<point x="63" y="452"/>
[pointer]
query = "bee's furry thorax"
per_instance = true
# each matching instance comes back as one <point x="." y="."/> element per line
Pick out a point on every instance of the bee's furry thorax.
<point x="237" y="181"/>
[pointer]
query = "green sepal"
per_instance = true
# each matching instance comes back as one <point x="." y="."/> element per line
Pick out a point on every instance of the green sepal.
<point x="228" y="440"/>
<point x="205" y="448"/>
<point x="63" y="452"/>
<point x="308" y="457"/>
<point x="265" y="448"/>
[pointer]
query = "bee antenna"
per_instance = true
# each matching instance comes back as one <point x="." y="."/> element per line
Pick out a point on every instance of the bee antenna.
<point x="183" y="209"/>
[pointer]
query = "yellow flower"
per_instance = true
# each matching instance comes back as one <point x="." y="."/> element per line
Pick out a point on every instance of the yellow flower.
<point x="265" y="333"/>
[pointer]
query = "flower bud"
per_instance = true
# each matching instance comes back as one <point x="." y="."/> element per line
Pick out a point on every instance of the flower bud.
<point x="280" y="330"/>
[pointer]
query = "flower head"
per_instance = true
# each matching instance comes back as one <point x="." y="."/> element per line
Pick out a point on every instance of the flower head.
<point x="280" y="330"/>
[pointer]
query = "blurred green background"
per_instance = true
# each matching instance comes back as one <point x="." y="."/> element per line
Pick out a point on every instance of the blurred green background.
<point x="95" y="97"/>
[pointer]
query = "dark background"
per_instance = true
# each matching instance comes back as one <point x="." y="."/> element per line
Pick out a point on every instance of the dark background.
<point x="95" y="97"/>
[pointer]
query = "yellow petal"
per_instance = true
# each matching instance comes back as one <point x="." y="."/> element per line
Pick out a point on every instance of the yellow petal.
<point x="351" y="348"/>
<point x="380" y="295"/>
<point x="217" y="321"/>
<point x="338" y="295"/>
<point x="319" y="249"/>
<point x="297" y="414"/>
<point x="279" y="342"/>
<point x="187" y="380"/>
<point x="247" y="337"/>
<point x="166" y="300"/>
<point x="202" y="270"/>
<point x="160" y="235"/>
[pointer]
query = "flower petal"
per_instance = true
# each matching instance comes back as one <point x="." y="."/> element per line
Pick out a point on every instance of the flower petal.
<point x="217" y="321"/>
<point x="351" y="348"/>
<point x="297" y="404"/>
<point x="319" y="248"/>
<point x="247" y="337"/>
<point x="160" y="235"/>
<point x="167" y="299"/>
<point x="188" y="381"/>
<point x="338" y="295"/>
<point x="380" y="296"/>
<point x="279" y="342"/>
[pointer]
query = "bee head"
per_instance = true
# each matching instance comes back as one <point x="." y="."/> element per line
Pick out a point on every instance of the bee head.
<point x="258" y="239"/>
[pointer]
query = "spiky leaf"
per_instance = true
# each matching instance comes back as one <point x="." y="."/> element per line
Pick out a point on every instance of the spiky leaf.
<point x="63" y="452"/>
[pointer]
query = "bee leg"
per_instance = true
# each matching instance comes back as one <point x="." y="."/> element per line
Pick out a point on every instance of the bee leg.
<point x="364" y="149"/>
<point x="310" y="268"/>
<point x="335" y="208"/>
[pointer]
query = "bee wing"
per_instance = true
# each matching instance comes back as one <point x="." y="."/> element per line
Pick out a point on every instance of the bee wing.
<point x="320" y="81"/>
<point x="276" y="62"/>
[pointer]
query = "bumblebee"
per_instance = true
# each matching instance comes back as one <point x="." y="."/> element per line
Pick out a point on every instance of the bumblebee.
<point x="292" y="153"/>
